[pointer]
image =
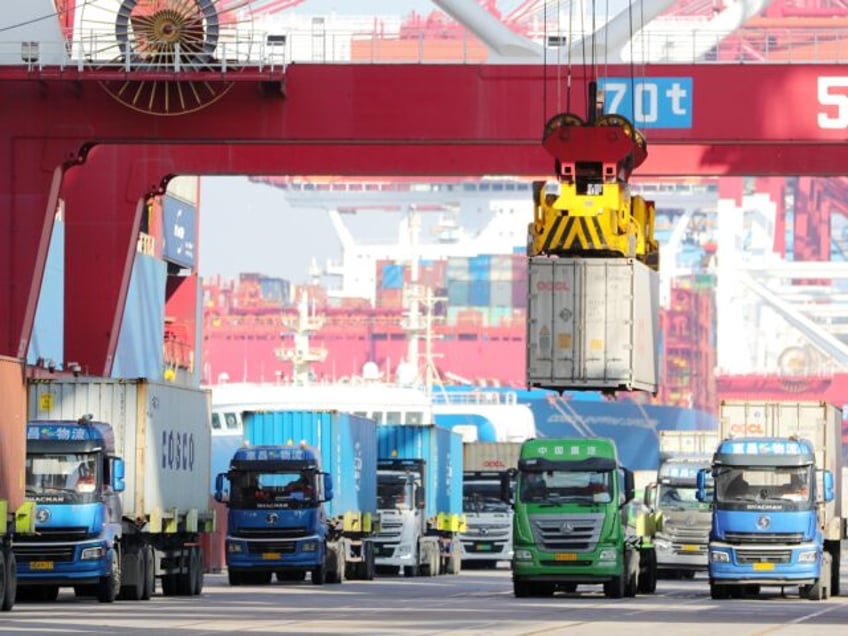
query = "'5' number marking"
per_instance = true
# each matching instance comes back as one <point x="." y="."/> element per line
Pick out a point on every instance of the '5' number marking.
<point x="833" y="91"/>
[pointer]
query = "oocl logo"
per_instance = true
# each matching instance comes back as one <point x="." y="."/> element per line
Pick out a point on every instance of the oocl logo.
<point x="549" y="285"/>
<point x="494" y="463"/>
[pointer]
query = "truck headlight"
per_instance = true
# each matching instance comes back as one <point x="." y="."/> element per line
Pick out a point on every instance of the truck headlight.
<point x="523" y="555"/>
<point x="403" y="550"/>
<point x="810" y="556"/>
<point x="610" y="554"/>
<point x="717" y="556"/>
<point x="234" y="547"/>
<point x="662" y="544"/>
<point x="90" y="554"/>
<point x="309" y="546"/>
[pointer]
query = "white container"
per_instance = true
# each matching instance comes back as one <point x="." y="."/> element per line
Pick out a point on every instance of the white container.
<point x="490" y="456"/>
<point x="689" y="442"/>
<point x="162" y="431"/>
<point x="592" y="324"/>
<point x="818" y="422"/>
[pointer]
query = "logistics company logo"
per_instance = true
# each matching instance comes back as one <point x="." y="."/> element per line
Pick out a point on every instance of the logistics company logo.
<point x="658" y="102"/>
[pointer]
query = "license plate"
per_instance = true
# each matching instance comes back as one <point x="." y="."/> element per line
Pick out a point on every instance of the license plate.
<point x="270" y="556"/>
<point x="763" y="567"/>
<point x="484" y="547"/>
<point x="41" y="565"/>
<point x="690" y="548"/>
<point x="565" y="556"/>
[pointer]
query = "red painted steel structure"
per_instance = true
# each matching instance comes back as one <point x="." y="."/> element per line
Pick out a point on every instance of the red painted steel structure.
<point x="62" y="131"/>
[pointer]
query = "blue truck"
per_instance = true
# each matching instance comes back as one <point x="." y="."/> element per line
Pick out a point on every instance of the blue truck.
<point x="419" y="499"/>
<point x="302" y="498"/>
<point x="121" y="494"/>
<point x="786" y="527"/>
<point x="766" y="530"/>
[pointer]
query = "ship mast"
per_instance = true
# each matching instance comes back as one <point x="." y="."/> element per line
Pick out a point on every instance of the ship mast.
<point x="301" y="355"/>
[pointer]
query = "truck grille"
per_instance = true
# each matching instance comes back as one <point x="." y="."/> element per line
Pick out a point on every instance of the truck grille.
<point x="270" y="533"/>
<point x="764" y="537"/>
<point x="65" y="533"/>
<point x="384" y="549"/>
<point x="263" y="547"/>
<point x="26" y="553"/>
<point x="573" y="533"/>
<point x="747" y="557"/>
<point x="498" y="531"/>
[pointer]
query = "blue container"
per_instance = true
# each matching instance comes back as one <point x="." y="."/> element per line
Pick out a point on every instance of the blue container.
<point x="480" y="267"/>
<point x="480" y="294"/>
<point x="441" y="450"/>
<point x="347" y="444"/>
<point x="458" y="293"/>
<point x="392" y="276"/>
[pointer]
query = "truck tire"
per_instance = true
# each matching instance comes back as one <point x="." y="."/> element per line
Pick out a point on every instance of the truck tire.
<point x="718" y="591"/>
<point x="835" y="549"/>
<point x="647" y="571"/>
<point x="616" y="587"/>
<point x="4" y="578"/>
<point x="133" y="590"/>
<point x="10" y="576"/>
<point x="368" y="563"/>
<point x="149" y="558"/>
<point x="521" y="589"/>
<point x="199" y="574"/>
<point x="110" y="585"/>
<point x="319" y="574"/>
<point x="235" y="578"/>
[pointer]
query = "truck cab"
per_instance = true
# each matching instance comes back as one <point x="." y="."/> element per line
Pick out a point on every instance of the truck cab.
<point x="681" y="521"/>
<point x="276" y="517"/>
<point x="74" y="479"/>
<point x="400" y="541"/>
<point x="766" y="530"/>
<point x="570" y="525"/>
<point x="487" y="505"/>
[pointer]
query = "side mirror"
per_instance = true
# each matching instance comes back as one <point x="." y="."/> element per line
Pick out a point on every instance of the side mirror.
<point x="420" y="499"/>
<point x="629" y="486"/>
<point x="118" y="472"/>
<point x="701" y="482"/>
<point x="651" y="495"/>
<point x="328" y="487"/>
<point x="828" y="485"/>
<point x="219" y="487"/>
<point x="506" y="489"/>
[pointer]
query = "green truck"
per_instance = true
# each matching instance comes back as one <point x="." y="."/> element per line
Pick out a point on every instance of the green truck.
<point x="570" y="524"/>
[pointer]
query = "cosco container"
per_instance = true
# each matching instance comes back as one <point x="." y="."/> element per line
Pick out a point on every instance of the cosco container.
<point x="161" y="430"/>
<point x="441" y="450"/>
<point x="347" y="445"/>
<point x="592" y="324"/>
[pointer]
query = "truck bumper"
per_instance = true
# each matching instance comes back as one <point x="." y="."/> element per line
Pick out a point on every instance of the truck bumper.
<point x="40" y="570"/>
<point x="669" y="559"/>
<point x="764" y="565"/>
<point x="300" y="554"/>
<point x="485" y="551"/>
<point x="535" y="566"/>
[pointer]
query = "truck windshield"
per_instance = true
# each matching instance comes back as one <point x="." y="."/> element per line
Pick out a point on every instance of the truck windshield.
<point x="681" y="498"/>
<point x="483" y="496"/>
<point x="560" y="486"/>
<point x="272" y="489"/>
<point x="780" y="485"/>
<point x="393" y="492"/>
<point x="71" y="474"/>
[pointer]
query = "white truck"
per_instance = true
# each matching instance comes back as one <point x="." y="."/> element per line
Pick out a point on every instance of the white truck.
<point x="786" y="524"/>
<point x="681" y="523"/>
<point x="488" y="478"/>
<point x="119" y="474"/>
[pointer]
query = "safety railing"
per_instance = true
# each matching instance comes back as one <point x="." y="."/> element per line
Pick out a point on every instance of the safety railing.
<point x="681" y="45"/>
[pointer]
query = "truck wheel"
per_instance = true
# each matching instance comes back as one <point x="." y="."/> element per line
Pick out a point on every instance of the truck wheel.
<point x="370" y="568"/>
<point x="149" y="560"/>
<point x="235" y="578"/>
<point x="169" y="585"/>
<point x="197" y="587"/>
<point x="521" y="589"/>
<point x="719" y="592"/>
<point x="186" y="578"/>
<point x="647" y="572"/>
<point x="133" y="590"/>
<point x="4" y="579"/>
<point x="835" y="564"/>
<point x="319" y="574"/>
<point x="110" y="585"/>
<point x="10" y="576"/>
<point x="615" y="588"/>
